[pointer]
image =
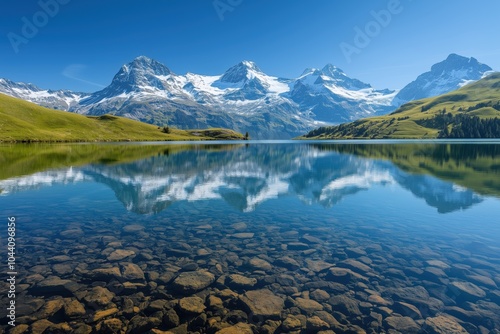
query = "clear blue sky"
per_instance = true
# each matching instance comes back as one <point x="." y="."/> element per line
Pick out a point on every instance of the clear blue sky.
<point x="83" y="43"/>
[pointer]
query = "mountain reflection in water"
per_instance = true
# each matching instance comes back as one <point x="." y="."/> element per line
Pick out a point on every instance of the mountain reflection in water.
<point x="448" y="177"/>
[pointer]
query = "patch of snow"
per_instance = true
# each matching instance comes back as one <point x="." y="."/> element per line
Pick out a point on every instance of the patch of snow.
<point x="363" y="181"/>
<point x="274" y="188"/>
<point x="39" y="180"/>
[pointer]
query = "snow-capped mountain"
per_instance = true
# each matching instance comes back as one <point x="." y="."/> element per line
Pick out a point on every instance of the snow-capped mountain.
<point x="246" y="99"/>
<point x="246" y="81"/>
<point x="55" y="99"/>
<point x="243" y="98"/>
<point x="444" y="77"/>
<point x="334" y="97"/>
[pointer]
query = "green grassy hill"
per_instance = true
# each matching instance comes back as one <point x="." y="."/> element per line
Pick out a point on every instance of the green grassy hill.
<point x="472" y="111"/>
<point x="22" y="121"/>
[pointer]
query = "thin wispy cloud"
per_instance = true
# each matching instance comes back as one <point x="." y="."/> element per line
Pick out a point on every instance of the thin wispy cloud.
<point x="76" y="72"/>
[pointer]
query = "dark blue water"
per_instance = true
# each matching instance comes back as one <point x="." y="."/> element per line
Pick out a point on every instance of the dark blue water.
<point x="415" y="227"/>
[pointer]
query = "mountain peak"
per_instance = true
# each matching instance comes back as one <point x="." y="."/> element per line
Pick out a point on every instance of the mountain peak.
<point x="240" y="72"/>
<point x="453" y="57"/>
<point x="143" y="63"/>
<point x="332" y="71"/>
<point x="142" y="59"/>
<point x="309" y="70"/>
<point x="445" y="76"/>
<point x="456" y="62"/>
<point x="251" y="65"/>
<point x="140" y="74"/>
<point x="328" y="70"/>
<point x="340" y="78"/>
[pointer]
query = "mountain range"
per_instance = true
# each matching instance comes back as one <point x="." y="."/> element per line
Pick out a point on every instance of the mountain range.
<point x="246" y="99"/>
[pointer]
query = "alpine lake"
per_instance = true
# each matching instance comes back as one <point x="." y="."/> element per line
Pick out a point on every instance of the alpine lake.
<point x="252" y="237"/>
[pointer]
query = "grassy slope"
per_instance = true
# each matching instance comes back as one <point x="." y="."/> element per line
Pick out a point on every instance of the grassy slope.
<point x="25" y="121"/>
<point x="403" y="123"/>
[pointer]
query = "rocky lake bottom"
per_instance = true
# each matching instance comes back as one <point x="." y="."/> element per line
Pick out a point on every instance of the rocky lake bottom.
<point x="241" y="277"/>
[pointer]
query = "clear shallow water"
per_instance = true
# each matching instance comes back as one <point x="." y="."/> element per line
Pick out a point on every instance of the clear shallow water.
<point x="381" y="237"/>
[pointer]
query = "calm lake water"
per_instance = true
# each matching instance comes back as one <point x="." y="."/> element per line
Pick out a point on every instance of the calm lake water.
<point x="353" y="237"/>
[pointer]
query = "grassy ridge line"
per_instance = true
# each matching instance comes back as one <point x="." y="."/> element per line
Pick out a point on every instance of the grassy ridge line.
<point x="22" y="121"/>
<point x="414" y="119"/>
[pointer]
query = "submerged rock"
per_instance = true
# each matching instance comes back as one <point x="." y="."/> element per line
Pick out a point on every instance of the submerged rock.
<point x="443" y="325"/>
<point x="50" y="308"/>
<point x="297" y="246"/>
<point x="287" y="262"/>
<point x="260" y="264"/>
<point x="132" y="272"/>
<point x="315" y="324"/>
<point x="346" y="304"/>
<point x="104" y="313"/>
<point x="378" y="300"/>
<point x="193" y="281"/>
<point x="113" y="325"/>
<point x="402" y="324"/>
<point x="133" y="228"/>
<point x="466" y="290"/>
<point x="74" y="309"/>
<point x="240" y="281"/>
<point x="320" y="295"/>
<point x="318" y="266"/>
<point x="344" y="276"/>
<point x="39" y="326"/>
<point x="408" y="310"/>
<point x="291" y="323"/>
<point x="55" y="286"/>
<point x="105" y="274"/>
<point x="263" y="303"/>
<point x="98" y="297"/>
<point x="356" y="266"/>
<point x="308" y="306"/>
<point x="193" y="305"/>
<point x="239" y="328"/>
<point x="120" y="254"/>
<point x="140" y="324"/>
